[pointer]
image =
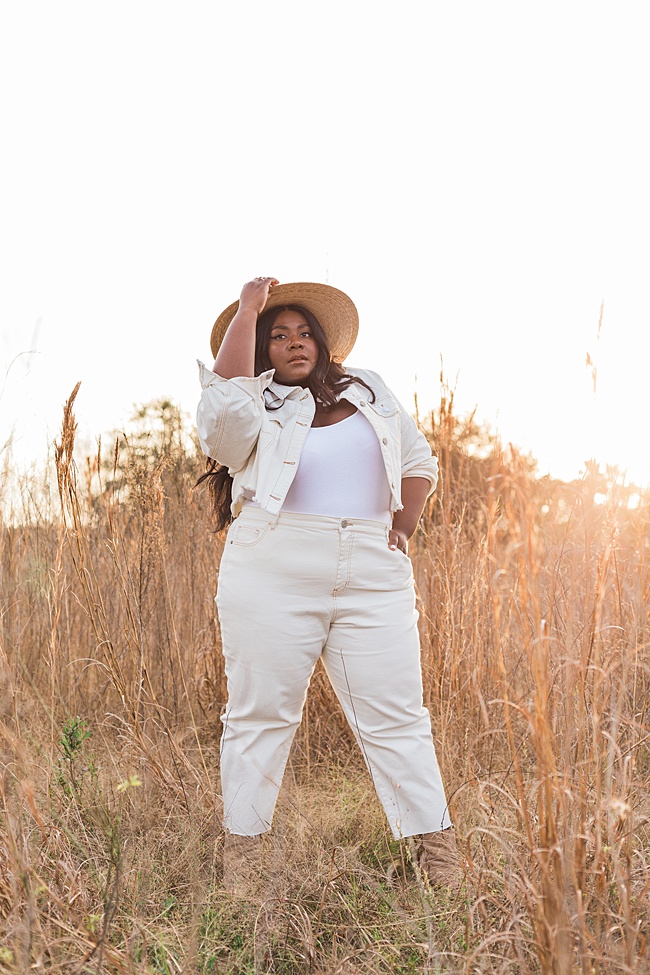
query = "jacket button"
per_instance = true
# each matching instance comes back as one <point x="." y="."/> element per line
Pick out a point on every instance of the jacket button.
<point x="362" y="402"/>
<point x="384" y="440"/>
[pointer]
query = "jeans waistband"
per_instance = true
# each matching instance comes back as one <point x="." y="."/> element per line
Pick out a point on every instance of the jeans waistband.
<point x="258" y="516"/>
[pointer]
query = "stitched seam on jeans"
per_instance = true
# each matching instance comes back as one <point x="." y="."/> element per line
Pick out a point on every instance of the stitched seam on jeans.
<point x="348" y="568"/>
<point x="378" y="783"/>
<point x="339" y="588"/>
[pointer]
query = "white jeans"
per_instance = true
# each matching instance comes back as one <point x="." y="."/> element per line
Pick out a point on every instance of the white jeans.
<point x="293" y="588"/>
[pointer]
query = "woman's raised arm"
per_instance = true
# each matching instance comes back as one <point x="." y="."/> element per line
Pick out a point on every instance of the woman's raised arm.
<point x="236" y="357"/>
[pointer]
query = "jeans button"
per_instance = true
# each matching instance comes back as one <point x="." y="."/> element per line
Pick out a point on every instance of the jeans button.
<point x="344" y="524"/>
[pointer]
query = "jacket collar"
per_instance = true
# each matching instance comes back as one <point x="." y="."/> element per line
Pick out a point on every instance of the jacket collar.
<point x="277" y="393"/>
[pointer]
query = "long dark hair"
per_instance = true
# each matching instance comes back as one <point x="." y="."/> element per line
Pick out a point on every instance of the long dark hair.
<point x="326" y="382"/>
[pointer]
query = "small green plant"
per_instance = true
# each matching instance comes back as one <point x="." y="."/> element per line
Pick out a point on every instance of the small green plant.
<point x="72" y="737"/>
<point x="70" y="774"/>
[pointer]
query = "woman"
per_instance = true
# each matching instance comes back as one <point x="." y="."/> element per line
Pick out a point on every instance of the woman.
<point x="326" y="476"/>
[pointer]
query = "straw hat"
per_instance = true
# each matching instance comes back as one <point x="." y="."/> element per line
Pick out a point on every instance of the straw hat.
<point x="335" y="312"/>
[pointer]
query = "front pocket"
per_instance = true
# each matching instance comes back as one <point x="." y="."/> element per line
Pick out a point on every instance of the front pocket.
<point x="400" y="558"/>
<point x="246" y="536"/>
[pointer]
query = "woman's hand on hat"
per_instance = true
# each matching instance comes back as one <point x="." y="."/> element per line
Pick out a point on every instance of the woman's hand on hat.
<point x="398" y="539"/>
<point x="254" y="294"/>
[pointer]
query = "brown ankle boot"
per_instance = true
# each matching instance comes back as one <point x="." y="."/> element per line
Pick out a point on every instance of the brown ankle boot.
<point x="439" y="858"/>
<point x="241" y="863"/>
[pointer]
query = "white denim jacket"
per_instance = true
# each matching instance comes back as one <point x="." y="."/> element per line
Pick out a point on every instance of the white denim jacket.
<point x="261" y="447"/>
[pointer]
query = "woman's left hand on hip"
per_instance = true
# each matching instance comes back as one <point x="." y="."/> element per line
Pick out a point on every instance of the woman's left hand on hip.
<point x="398" y="539"/>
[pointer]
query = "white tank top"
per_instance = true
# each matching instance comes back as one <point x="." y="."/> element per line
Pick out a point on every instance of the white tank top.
<point x="341" y="473"/>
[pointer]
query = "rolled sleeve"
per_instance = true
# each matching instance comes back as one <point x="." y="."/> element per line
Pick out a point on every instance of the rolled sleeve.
<point x="229" y="416"/>
<point x="417" y="459"/>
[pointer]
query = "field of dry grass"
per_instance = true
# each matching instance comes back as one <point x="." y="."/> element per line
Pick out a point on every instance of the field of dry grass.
<point x="534" y="601"/>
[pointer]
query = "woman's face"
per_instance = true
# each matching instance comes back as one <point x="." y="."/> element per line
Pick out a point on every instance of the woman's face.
<point x="292" y="350"/>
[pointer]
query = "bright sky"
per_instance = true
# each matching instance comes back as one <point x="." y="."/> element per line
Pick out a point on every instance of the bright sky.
<point x="474" y="175"/>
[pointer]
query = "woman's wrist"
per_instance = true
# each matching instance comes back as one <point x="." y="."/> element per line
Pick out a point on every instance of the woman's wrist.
<point x="246" y="312"/>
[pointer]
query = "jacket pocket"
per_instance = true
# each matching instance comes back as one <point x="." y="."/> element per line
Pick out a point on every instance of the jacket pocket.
<point x="384" y="406"/>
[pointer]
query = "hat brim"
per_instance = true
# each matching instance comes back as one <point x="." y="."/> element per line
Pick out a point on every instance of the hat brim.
<point x="335" y="311"/>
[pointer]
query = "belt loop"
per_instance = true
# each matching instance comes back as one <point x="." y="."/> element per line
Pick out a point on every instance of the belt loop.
<point x="274" y="520"/>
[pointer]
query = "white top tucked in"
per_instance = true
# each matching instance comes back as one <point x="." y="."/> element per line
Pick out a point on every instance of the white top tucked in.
<point x="341" y="473"/>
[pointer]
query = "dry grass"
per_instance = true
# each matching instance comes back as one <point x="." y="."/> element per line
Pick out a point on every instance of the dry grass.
<point x="534" y="621"/>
